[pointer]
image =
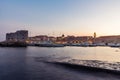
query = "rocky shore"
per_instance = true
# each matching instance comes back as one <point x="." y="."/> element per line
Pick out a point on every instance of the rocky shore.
<point x="13" y="44"/>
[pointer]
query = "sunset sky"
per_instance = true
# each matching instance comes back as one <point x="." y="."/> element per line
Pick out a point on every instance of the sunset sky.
<point x="57" y="17"/>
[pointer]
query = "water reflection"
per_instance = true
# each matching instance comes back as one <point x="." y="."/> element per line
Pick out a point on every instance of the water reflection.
<point x="12" y="63"/>
<point x="81" y="53"/>
<point x="20" y="63"/>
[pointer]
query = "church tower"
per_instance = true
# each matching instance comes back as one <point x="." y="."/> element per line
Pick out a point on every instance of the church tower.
<point x="94" y="35"/>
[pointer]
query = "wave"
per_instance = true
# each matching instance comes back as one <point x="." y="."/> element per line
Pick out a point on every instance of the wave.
<point x="82" y="65"/>
<point x="83" y="68"/>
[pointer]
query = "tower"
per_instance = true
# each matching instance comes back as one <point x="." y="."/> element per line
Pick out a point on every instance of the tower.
<point x="94" y="35"/>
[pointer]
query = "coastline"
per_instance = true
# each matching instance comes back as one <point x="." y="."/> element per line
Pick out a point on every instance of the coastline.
<point x="13" y="44"/>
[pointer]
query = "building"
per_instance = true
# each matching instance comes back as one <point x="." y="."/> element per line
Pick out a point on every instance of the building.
<point x="21" y="35"/>
<point x="94" y="35"/>
<point x="78" y="39"/>
<point x="38" y="39"/>
<point x="108" y="39"/>
<point x="11" y="37"/>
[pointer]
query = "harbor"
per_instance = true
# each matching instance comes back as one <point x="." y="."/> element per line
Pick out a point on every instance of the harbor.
<point x="20" y="38"/>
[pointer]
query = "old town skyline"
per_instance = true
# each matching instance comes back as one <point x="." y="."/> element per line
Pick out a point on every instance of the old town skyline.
<point x="57" y="17"/>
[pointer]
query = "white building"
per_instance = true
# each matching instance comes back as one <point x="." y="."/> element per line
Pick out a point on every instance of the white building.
<point x="21" y="35"/>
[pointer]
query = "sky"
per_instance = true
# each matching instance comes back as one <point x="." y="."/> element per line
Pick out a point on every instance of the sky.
<point x="57" y="17"/>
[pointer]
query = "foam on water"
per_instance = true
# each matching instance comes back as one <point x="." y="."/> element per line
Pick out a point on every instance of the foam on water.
<point x="89" y="63"/>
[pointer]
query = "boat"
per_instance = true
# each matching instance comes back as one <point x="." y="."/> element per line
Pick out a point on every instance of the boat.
<point x="49" y="44"/>
<point x="114" y="45"/>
